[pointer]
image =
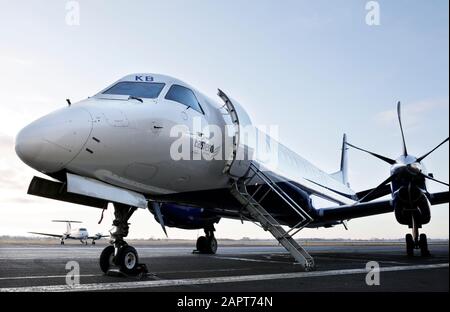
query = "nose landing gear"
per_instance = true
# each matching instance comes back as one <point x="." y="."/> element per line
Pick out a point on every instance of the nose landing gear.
<point x="121" y="258"/>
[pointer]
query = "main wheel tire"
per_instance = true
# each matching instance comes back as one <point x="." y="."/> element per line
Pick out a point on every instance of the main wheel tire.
<point x="62" y="242"/>
<point x="127" y="259"/>
<point x="409" y="245"/>
<point x="423" y="244"/>
<point x="202" y="243"/>
<point x="93" y="242"/>
<point x="107" y="258"/>
<point x="207" y="245"/>
<point x="212" y="245"/>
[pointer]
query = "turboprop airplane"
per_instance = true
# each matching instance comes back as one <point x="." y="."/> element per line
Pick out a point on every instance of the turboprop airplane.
<point x="80" y="234"/>
<point x="154" y="142"/>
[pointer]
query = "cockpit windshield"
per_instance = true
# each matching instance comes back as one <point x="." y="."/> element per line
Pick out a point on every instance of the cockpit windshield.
<point x="148" y="90"/>
<point x="82" y="230"/>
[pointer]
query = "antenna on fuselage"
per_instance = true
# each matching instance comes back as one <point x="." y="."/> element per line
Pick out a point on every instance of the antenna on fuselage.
<point x="68" y="102"/>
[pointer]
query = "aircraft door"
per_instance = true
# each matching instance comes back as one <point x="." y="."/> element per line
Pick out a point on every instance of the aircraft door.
<point x="239" y="154"/>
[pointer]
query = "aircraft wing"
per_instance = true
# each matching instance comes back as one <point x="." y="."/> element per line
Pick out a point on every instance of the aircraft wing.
<point x="47" y="234"/>
<point x="439" y="198"/>
<point x="97" y="236"/>
<point x="347" y="212"/>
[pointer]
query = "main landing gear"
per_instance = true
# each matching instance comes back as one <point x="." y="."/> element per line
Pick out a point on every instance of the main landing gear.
<point x="416" y="241"/>
<point x="121" y="257"/>
<point x="207" y="244"/>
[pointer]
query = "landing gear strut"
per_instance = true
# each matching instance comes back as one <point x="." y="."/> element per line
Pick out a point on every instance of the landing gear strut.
<point x="120" y="254"/>
<point x="416" y="241"/>
<point x="207" y="244"/>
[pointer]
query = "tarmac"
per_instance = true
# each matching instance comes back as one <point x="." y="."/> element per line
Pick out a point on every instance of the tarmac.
<point x="339" y="268"/>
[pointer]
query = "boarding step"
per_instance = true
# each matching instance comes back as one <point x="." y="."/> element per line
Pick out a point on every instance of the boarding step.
<point x="269" y="223"/>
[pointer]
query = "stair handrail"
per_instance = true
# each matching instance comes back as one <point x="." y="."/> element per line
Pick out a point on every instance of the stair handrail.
<point x="282" y="194"/>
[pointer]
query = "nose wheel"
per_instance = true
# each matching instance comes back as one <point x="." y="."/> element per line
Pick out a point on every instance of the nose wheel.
<point x="127" y="259"/>
<point x="107" y="258"/>
<point x="121" y="258"/>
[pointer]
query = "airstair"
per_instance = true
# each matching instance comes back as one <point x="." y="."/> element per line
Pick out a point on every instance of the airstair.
<point x="253" y="186"/>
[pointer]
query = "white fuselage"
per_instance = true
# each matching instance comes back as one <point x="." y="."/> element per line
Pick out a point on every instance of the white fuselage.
<point x="126" y="142"/>
<point x="81" y="234"/>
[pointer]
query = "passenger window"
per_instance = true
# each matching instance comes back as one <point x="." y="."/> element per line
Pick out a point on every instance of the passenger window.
<point x="184" y="96"/>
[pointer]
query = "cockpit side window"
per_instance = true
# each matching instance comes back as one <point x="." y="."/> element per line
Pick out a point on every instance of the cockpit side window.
<point x="184" y="96"/>
<point x="148" y="90"/>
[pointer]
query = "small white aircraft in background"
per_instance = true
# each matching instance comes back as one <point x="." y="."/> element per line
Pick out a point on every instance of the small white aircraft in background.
<point x="80" y="234"/>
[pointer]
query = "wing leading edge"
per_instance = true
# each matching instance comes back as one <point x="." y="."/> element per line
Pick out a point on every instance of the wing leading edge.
<point x="347" y="212"/>
<point x="47" y="234"/>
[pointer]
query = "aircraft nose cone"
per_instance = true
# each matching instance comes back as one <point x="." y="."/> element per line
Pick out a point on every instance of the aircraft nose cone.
<point x="52" y="141"/>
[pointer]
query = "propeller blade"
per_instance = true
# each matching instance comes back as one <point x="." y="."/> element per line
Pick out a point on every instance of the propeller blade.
<point x="156" y="207"/>
<point x="424" y="156"/>
<point x="433" y="179"/>
<point x="405" y="152"/>
<point x="376" y="189"/>
<point x="386" y="159"/>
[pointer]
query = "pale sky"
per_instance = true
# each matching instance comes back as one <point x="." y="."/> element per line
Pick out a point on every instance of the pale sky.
<point x="315" y="68"/>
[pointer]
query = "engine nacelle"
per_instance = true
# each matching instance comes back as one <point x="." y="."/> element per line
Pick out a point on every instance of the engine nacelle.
<point x="186" y="217"/>
<point x="409" y="202"/>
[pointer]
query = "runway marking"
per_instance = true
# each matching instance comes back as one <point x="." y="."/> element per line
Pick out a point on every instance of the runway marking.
<point x="189" y="248"/>
<point x="44" y="276"/>
<point x="211" y="280"/>
<point x="250" y="260"/>
<point x="153" y="274"/>
<point x="201" y="271"/>
<point x="360" y="260"/>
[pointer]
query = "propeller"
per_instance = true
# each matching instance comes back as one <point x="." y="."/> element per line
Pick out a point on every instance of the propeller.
<point x="399" y="115"/>
<point x="399" y="162"/>
<point x="388" y="180"/>
<point x="386" y="159"/>
<point x="433" y="179"/>
<point x="426" y="155"/>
